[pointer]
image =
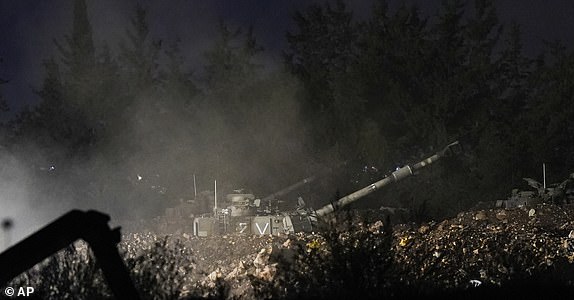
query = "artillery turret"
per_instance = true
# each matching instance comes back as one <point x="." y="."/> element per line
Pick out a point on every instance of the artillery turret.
<point x="248" y="214"/>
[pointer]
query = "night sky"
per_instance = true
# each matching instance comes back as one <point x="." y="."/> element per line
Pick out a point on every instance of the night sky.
<point x="30" y="26"/>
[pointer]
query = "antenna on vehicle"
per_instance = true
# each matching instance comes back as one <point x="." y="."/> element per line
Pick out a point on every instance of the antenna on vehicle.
<point x="194" y="189"/>
<point x="544" y="174"/>
<point x="215" y="197"/>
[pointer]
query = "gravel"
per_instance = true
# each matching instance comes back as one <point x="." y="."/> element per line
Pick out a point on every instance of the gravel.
<point x="483" y="248"/>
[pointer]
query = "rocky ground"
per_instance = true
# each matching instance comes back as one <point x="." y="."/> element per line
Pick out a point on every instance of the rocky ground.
<point x="491" y="247"/>
<point x="519" y="253"/>
<point x="484" y="250"/>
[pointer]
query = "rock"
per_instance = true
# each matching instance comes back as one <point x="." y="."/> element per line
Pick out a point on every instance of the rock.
<point x="404" y="241"/>
<point x="526" y="237"/>
<point x="262" y="259"/>
<point x="213" y="276"/>
<point x="475" y="283"/>
<point x="442" y="225"/>
<point x="376" y="227"/>
<point x="267" y="273"/>
<point x="237" y="272"/>
<point x="501" y="215"/>
<point x="481" y="216"/>
<point x="423" y="229"/>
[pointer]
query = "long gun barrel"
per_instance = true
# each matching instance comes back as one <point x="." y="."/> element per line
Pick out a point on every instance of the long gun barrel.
<point x="290" y="188"/>
<point x="397" y="175"/>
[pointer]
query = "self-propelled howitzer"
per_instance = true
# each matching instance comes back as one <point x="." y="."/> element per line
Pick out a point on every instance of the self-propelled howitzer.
<point x="397" y="175"/>
<point x="245" y="215"/>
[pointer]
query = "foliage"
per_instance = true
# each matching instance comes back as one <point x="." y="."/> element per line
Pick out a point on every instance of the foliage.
<point x="319" y="54"/>
<point x="230" y="61"/>
<point x="346" y="261"/>
<point x="159" y="271"/>
<point x="379" y="92"/>
<point x="413" y="84"/>
<point x="71" y="273"/>
<point x="548" y="113"/>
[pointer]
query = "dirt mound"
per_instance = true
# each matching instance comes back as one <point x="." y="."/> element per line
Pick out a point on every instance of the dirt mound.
<point x="487" y="246"/>
<point x="484" y="248"/>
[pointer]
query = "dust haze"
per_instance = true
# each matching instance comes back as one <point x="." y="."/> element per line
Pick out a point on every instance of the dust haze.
<point x="133" y="102"/>
<point x="249" y="137"/>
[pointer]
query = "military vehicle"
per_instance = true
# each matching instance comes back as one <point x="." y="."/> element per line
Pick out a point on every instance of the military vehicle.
<point x="557" y="193"/>
<point x="246" y="215"/>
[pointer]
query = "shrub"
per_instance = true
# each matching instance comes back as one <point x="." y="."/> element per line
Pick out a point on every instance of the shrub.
<point x="347" y="261"/>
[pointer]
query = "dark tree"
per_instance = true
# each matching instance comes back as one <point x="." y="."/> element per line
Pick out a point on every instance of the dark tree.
<point x="549" y="114"/>
<point x="230" y="62"/>
<point x="139" y="55"/>
<point x="320" y="52"/>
